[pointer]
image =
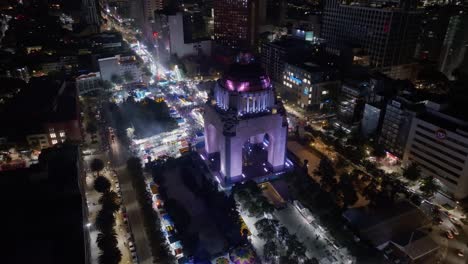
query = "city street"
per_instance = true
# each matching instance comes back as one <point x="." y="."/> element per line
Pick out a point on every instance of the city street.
<point x="119" y="157"/>
<point x="94" y="207"/>
<point x="318" y="242"/>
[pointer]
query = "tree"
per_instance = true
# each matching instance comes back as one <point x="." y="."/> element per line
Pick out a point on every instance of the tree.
<point x="412" y="172"/>
<point x="110" y="201"/>
<point x="91" y="127"/>
<point x="116" y="79"/>
<point x="106" y="85"/>
<point x="379" y="151"/>
<point x="283" y="233"/>
<point x="128" y="76"/>
<point x="429" y="186"/>
<point x="110" y="256"/>
<point x="347" y="189"/>
<point x="265" y="206"/>
<point x="102" y="184"/>
<point x="253" y="208"/>
<point x="326" y="172"/>
<point x="266" y="228"/>
<point x="105" y="221"/>
<point x="295" y="248"/>
<point x="270" y="251"/>
<point x="146" y="71"/>
<point x="107" y="240"/>
<point x="97" y="165"/>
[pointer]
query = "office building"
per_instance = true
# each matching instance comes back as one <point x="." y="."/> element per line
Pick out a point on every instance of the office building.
<point x="352" y="99"/>
<point x="387" y="32"/>
<point x="438" y="143"/>
<point x="396" y="125"/>
<point x="434" y="26"/>
<point x="92" y="14"/>
<point x="119" y="66"/>
<point x="182" y="42"/>
<point x="274" y="55"/>
<point x="370" y="119"/>
<point x="309" y="84"/>
<point x="150" y="6"/>
<point x="243" y="112"/>
<point x="236" y="23"/>
<point x="51" y="210"/>
<point x="43" y="114"/>
<point x="88" y="82"/>
<point x="454" y="53"/>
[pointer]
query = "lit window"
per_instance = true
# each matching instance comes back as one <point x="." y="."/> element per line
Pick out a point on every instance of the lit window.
<point x="62" y="134"/>
<point x="54" y="142"/>
<point x="52" y="135"/>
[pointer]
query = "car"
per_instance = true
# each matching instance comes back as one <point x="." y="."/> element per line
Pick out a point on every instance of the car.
<point x="438" y="220"/>
<point x="449" y="234"/>
<point x="460" y="253"/>
<point x="454" y="231"/>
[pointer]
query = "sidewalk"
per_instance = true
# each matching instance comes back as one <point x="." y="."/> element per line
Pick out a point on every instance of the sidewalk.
<point x="94" y="207"/>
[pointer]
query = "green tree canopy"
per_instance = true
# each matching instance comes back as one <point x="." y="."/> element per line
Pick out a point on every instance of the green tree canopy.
<point x="429" y="186"/>
<point x="116" y="79"/>
<point x="128" y="76"/>
<point x="412" y="172"/>
<point x="102" y="184"/>
<point x="97" y="165"/>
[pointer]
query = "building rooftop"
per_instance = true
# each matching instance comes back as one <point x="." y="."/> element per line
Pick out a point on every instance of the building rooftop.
<point x="43" y="100"/>
<point x="380" y="225"/>
<point x="445" y="121"/>
<point x="291" y="43"/>
<point x="45" y="211"/>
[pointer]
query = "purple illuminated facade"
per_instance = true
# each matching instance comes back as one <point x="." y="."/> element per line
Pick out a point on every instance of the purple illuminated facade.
<point x="243" y="108"/>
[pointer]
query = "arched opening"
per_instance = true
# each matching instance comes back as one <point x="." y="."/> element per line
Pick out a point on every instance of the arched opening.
<point x="255" y="153"/>
<point x="211" y="139"/>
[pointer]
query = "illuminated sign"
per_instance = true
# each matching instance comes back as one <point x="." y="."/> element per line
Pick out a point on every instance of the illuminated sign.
<point x="440" y="134"/>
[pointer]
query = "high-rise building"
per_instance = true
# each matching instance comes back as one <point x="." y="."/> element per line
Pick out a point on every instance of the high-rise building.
<point x="399" y="114"/>
<point x="433" y="28"/>
<point x="387" y="32"/>
<point x="438" y="143"/>
<point x="91" y="12"/>
<point x="236" y="23"/>
<point x="454" y="49"/>
<point x="150" y="6"/>
<point x="309" y="84"/>
<point x="274" y="55"/>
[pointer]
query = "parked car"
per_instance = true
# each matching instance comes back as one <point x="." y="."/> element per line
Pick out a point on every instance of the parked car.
<point x="449" y="234"/>
<point x="460" y="253"/>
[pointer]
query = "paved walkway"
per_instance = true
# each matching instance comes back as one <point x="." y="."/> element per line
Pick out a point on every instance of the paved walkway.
<point x="94" y="207"/>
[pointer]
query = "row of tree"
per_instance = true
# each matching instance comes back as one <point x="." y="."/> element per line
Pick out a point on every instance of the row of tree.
<point x="105" y="222"/>
<point x="222" y="207"/>
<point x="281" y="246"/>
<point x="251" y="198"/>
<point x="159" y="248"/>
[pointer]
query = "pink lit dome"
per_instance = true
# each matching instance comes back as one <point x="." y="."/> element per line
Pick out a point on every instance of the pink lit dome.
<point x="245" y="77"/>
